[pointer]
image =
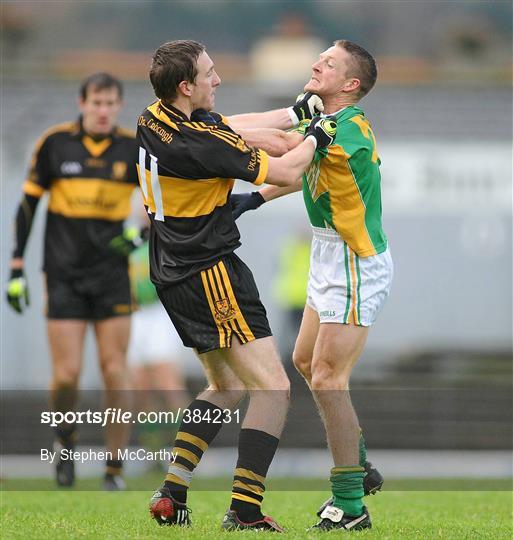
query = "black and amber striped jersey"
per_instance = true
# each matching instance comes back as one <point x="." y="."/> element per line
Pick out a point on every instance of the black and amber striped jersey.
<point x="90" y="183"/>
<point x="186" y="171"/>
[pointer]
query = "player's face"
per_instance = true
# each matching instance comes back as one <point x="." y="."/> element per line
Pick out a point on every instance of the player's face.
<point x="100" y="110"/>
<point x="204" y="87"/>
<point x="330" y="73"/>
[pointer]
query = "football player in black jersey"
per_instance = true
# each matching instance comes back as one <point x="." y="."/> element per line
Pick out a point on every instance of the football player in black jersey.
<point x="88" y="169"/>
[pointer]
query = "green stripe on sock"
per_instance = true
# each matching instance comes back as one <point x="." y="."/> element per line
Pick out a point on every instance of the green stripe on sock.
<point x="346" y="468"/>
<point x="362" y="450"/>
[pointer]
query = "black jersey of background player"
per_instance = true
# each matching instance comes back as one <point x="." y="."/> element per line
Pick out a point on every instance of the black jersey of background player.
<point x="187" y="170"/>
<point x="90" y="184"/>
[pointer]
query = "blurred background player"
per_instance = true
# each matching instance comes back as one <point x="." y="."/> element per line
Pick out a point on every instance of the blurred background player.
<point x="186" y="170"/>
<point x="285" y="54"/>
<point x="290" y="286"/>
<point x="88" y="168"/>
<point x="155" y="355"/>
<point x="350" y="270"/>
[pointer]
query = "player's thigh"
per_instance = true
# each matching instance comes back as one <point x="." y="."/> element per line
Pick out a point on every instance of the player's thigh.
<point x="66" y="339"/>
<point x="224" y="389"/>
<point x="305" y="342"/>
<point x="219" y="374"/>
<point x="337" y="348"/>
<point x="258" y="364"/>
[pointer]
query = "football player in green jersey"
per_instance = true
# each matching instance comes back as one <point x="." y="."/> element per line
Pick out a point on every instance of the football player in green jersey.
<point x="350" y="270"/>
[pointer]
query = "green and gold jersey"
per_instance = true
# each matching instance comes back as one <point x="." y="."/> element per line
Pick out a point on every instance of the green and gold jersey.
<point x="342" y="186"/>
<point x="143" y="289"/>
<point x="90" y="183"/>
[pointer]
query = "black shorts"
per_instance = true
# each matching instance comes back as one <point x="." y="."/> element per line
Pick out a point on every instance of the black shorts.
<point x="89" y="299"/>
<point x="209" y="308"/>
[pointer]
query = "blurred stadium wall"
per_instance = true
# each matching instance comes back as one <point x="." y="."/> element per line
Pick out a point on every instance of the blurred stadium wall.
<point x="442" y="115"/>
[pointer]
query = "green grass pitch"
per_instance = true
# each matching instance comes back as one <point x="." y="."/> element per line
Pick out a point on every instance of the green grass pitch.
<point x="396" y="514"/>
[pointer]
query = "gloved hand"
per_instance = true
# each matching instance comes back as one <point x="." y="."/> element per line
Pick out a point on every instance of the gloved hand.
<point x="242" y="202"/>
<point x="307" y="106"/>
<point x="17" y="291"/>
<point x="130" y="239"/>
<point x="322" y="130"/>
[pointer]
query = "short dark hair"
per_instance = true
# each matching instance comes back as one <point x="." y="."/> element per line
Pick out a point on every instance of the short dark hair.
<point x="100" y="81"/>
<point x="172" y="63"/>
<point x="363" y="65"/>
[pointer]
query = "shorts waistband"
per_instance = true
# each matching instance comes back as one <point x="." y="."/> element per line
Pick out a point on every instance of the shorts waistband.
<point x="327" y="234"/>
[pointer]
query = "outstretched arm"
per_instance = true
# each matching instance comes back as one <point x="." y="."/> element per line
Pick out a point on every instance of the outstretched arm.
<point x="278" y="118"/>
<point x="305" y="108"/>
<point x="269" y="193"/>
<point x="284" y="173"/>
<point x="274" y="141"/>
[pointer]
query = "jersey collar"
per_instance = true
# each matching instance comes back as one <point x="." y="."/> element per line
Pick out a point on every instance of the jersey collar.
<point x="176" y="114"/>
<point x="347" y="112"/>
<point x="334" y="113"/>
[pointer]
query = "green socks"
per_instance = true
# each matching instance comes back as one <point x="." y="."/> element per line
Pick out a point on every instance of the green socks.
<point x="347" y="488"/>
<point x="347" y="483"/>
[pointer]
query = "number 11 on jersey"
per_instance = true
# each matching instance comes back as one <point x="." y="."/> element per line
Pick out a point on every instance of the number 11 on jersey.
<point x="156" y="192"/>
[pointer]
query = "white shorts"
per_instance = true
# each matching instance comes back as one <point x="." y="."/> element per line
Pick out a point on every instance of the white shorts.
<point x="343" y="287"/>
<point x="153" y="338"/>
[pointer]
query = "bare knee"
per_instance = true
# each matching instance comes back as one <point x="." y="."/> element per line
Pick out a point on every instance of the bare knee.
<point x="327" y="375"/>
<point x="277" y="397"/>
<point x="114" y="370"/>
<point x="287" y="390"/>
<point x="269" y="376"/>
<point x="223" y="381"/>
<point x="282" y="386"/>
<point x="66" y="370"/>
<point x="284" y="393"/>
<point x="273" y="390"/>
<point x="276" y="380"/>
<point x="303" y="363"/>
<point x="65" y="377"/>
<point x="237" y="392"/>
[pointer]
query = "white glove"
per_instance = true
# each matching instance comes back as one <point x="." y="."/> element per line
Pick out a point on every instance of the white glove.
<point x="307" y="106"/>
